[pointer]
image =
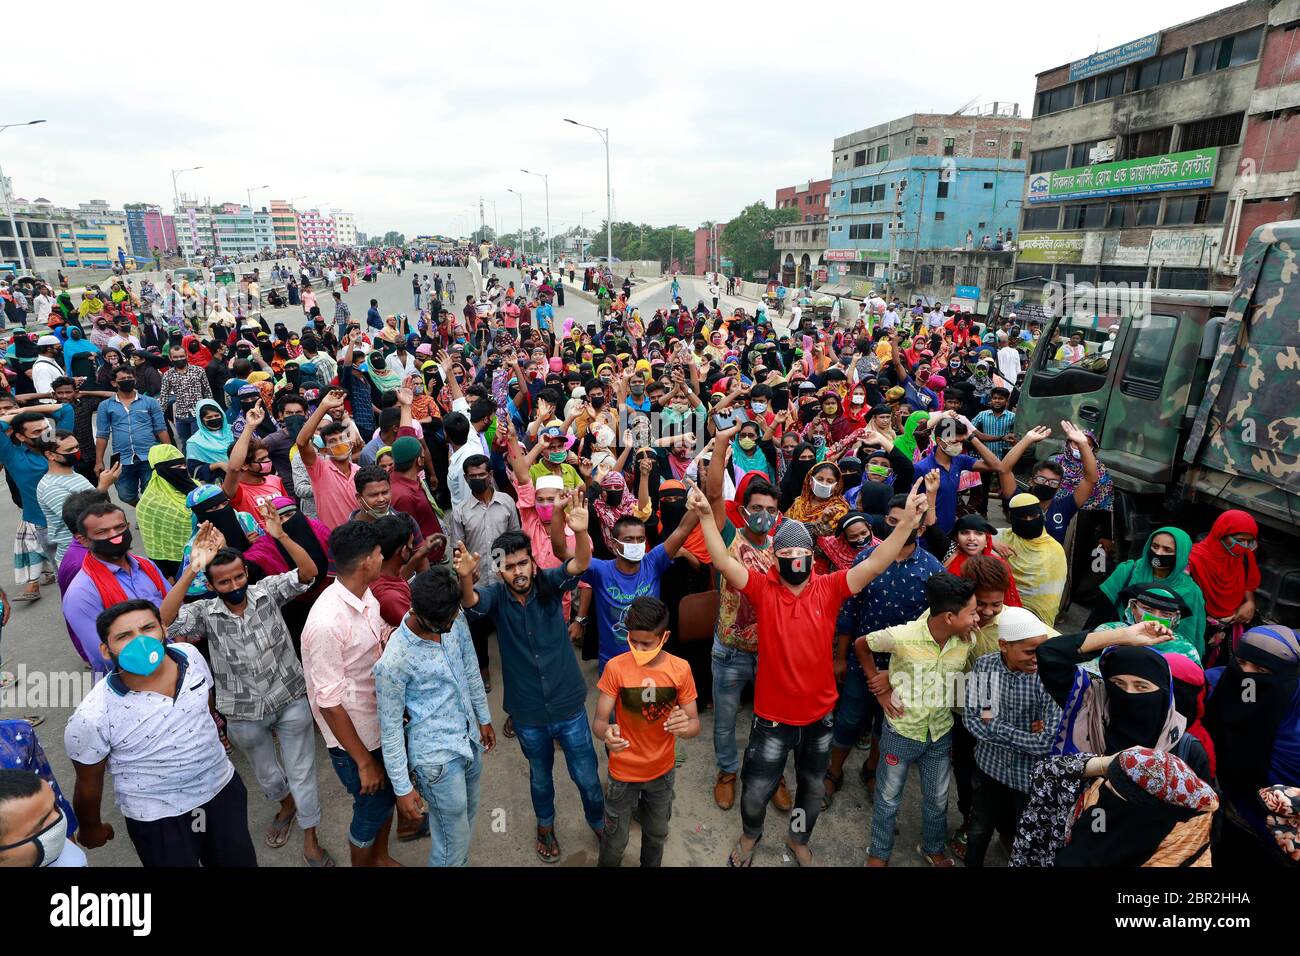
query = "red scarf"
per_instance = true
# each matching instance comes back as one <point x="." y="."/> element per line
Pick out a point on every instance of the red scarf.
<point x="1224" y="578"/>
<point x="105" y="581"/>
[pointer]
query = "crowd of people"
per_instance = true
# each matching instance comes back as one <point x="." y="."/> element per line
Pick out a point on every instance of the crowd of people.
<point x="263" y="535"/>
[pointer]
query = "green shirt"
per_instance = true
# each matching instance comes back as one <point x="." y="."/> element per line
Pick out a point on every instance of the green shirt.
<point x="926" y="678"/>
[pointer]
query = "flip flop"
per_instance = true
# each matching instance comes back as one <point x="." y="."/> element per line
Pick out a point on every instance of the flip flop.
<point x="551" y="843"/>
<point x="509" y="728"/>
<point x="738" y="860"/>
<point x="326" y="861"/>
<point x="35" y="719"/>
<point x="277" y="832"/>
<point x="25" y="597"/>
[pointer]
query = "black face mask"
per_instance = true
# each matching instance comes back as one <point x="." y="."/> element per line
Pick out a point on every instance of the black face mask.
<point x="213" y="424"/>
<point x="1134" y="720"/>
<point x="808" y="412"/>
<point x="235" y="597"/>
<point x="477" y="485"/>
<point x="1026" y="525"/>
<point x="179" y="363"/>
<point x="1163" y="562"/>
<point x="126" y="385"/>
<point x="246" y="405"/>
<point x="112" y="549"/>
<point x="795" y="570"/>
<point x="1043" y="492"/>
<point x="293" y="424"/>
<point x="597" y="402"/>
<point x="614" y="496"/>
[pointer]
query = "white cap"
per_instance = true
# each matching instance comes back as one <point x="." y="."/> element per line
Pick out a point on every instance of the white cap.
<point x="549" y="481"/>
<point x="47" y="340"/>
<point x="1019" y="624"/>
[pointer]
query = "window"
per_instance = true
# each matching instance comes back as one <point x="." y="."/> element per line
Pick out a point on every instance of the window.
<point x="988" y="185"/>
<point x="938" y="217"/>
<point x="1030" y="270"/>
<point x="907" y="141"/>
<point x="927" y="274"/>
<point x="1082" y="324"/>
<point x="1205" y="209"/>
<point x="1183" y="279"/>
<point x="1080" y="153"/>
<point x="1085" y="216"/>
<point x="1048" y="160"/>
<point x="1217" y="131"/>
<point x="878" y="192"/>
<point x="882" y="153"/>
<point x="1149" y="357"/>
<point x="1132" y="213"/>
<point x="947" y="275"/>
<point x="1127" y="275"/>
<point x="1016" y="148"/>
<point x="1151" y="142"/>
<point x="1103" y="87"/>
<point x="860" y="158"/>
<point x="943" y="189"/>
<point x="1161" y="70"/>
<point x="949" y="146"/>
<point x="1226" y="51"/>
<point x="867" y="230"/>
<point x="1049" y="101"/>
<point x="923" y="141"/>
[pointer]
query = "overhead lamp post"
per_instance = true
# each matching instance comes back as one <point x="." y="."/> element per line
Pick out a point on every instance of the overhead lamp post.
<point x="523" y="243"/>
<point x="546" y="182"/>
<point x="9" y="205"/>
<point x="176" y="203"/>
<point x="609" y="192"/>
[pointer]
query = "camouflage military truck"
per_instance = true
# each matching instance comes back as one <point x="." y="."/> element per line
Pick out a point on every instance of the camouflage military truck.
<point x="1194" y="398"/>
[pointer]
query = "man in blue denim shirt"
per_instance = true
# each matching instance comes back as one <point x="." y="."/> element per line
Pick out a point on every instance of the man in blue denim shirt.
<point x="429" y="672"/>
<point x="544" y="689"/>
<point x="136" y="424"/>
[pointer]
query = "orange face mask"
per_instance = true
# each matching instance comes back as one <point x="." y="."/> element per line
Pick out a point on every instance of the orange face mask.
<point x="643" y="658"/>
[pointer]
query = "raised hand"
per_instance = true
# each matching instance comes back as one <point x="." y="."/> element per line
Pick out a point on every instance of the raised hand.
<point x="405" y="397"/>
<point x="1145" y="633"/>
<point x="1073" y="432"/>
<point x="1038" y="433"/>
<point x="271" y="519"/>
<point x="255" y="415"/>
<point x="466" y="561"/>
<point x="917" y="502"/>
<point x="575" y="511"/>
<point x="206" y="544"/>
<point x="334" y="399"/>
<point x="697" y="499"/>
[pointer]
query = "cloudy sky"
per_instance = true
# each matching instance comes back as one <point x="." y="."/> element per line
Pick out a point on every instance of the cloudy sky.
<point x="405" y="113"/>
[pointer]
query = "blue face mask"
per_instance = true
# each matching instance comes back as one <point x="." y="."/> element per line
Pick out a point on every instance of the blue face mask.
<point x="142" y="655"/>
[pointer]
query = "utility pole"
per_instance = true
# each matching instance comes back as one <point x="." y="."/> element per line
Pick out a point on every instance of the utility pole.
<point x="482" y="221"/>
<point x="916" y="245"/>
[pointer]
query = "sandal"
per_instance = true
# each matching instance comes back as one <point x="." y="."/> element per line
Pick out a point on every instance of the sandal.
<point x="836" y="781"/>
<point x="737" y="860"/>
<point x="939" y="859"/>
<point x="548" y="847"/>
<point x="26" y="597"/>
<point x="326" y="861"/>
<point x="277" y="833"/>
<point x="509" y="728"/>
<point x="35" y="719"/>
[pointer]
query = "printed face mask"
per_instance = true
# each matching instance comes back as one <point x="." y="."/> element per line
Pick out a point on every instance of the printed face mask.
<point x="113" y="549"/>
<point x="795" y="570"/>
<point x="760" y="522"/>
<point x="1163" y="562"/>
<point x="142" y="655"/>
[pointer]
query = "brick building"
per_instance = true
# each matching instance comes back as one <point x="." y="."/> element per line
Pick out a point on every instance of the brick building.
<point x="799" y="247"/>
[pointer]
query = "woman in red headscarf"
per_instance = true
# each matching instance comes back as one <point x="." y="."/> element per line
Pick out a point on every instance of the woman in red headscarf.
<point x="1224" y="567"/>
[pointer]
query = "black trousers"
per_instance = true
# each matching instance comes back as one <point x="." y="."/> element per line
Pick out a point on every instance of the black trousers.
<point x="481" y="629"/>
<point x="963" y="765"/>
<point x="212" y="835"/>
<point x="996" y="807"/>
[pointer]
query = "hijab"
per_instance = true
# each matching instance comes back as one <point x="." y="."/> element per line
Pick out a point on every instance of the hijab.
<point x="743" y="462"/>
<point x="810" y="509"/>
<point x="1189" y="699"/>
<point x="297" y="526"/>
<point x="1191" y="627"/>
<point x="907" y="442"/>
<point x="162" y="514"/>
<point x="207" y="445"/>
<point x="609" y="514"/>
<point x="1224" y="577"/>
<point x="795" y="473"/>
<point x="1100" y="718"/>
<point x="209" y="503"/>
<point x="1158" y="812"/>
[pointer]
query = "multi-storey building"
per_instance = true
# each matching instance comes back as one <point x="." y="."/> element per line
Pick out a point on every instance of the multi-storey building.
<point x="924" y="181"/>
<point x="317" y="231"/>
<point x="1153" y="161"/>
<point x="345" y="227"/>
<point x="285" y="221"/>
<point x="800" y="247"/>
<point x="242" y="231"/>
<point x="150" y="229"/>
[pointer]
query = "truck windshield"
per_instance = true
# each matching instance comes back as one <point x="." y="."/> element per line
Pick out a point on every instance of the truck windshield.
<point x="1081" y="339"/>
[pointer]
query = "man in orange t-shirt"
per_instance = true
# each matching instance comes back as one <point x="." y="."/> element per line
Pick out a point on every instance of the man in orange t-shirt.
<point x="651" y="695"/>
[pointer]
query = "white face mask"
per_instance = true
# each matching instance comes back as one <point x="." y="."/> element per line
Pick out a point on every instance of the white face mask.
<point x="859" y="400"/>
<point x="633" y="552"/>
<point x="951" y="449"/>
<point x="822" y="490"/>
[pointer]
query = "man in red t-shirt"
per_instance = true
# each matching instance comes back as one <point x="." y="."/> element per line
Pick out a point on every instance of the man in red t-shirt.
<point x="794" y="687"/>
<point x="250" y="474"/>
<point x="408" y="493"/>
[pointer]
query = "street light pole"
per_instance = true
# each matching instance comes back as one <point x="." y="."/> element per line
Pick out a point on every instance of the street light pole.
<point x="252" y="219"/>
<point x="609" y="193"/>
<point x="523" y="244"/>
<point x="546" y="183"/>
<point x="176" y="203"/>
<point x="9" y="203"/>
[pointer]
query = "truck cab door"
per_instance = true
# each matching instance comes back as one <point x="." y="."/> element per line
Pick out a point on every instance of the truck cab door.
<point x="1064" y="384"/>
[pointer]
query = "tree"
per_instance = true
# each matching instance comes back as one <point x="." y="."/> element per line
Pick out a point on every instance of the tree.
<point x="392" y="238"/>
<point x="747" y="239"/>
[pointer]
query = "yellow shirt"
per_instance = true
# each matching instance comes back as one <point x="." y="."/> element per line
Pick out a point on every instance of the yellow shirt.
<point x="925" y="677"/>
<point x="1039" y="567"/>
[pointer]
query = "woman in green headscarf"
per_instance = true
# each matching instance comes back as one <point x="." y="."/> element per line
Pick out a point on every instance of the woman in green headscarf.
<point x="747" y="454"/>
<point x="1163" y="562"/>
<point x="909" y="440"/>
<point x="163" y="516"/>
<point x="383" y="378"/>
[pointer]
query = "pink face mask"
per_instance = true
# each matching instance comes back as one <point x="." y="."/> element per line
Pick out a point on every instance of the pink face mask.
<point x="546" y="511"/>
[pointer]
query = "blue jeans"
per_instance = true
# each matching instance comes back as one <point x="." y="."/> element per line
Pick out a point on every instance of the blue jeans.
<point x="370" y="811"/>
<point x="851" y="710"/>
<point x="537" y="741"/>
<point x="130" y="484"/>
<point x="451" y="790"/>
<point x="185" y="427"/>
<point x="932" y="758"/>
<point x="732" y="670"/>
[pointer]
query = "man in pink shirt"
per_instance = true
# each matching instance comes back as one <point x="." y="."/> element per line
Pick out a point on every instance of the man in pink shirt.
<point x="343" y="638"/>
<point x="331" y="477"/>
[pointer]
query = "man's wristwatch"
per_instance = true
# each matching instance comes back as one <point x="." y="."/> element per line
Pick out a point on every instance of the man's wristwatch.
<point x="580" y="619"/>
